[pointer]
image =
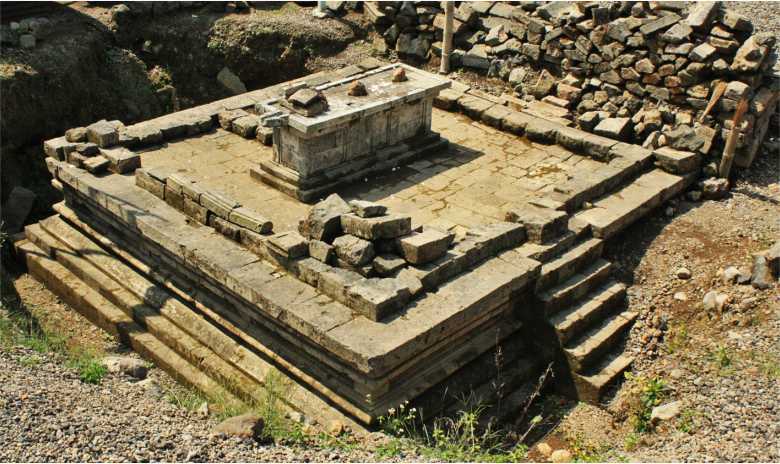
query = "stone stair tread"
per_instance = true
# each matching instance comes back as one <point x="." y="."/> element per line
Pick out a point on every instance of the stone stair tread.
<point x="591" y="385"/>
<point x="164" y="318"/>
<point x="97" y="308"/>
<point x="544" y="252"/>
<point x="582" y="315"/>
<point x="598" y="340"/>
<point x="571" y="261"/>
<point x="618" y="210"/>
<point x="577" y="286"/>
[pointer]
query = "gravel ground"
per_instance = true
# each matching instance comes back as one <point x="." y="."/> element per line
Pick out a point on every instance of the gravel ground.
<point x="48" y="414"/>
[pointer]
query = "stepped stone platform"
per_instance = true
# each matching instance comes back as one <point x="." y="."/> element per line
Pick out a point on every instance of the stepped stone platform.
<point x="403" y="285"/>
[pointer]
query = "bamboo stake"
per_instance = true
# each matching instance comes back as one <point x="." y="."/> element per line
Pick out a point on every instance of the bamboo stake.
<point x="731" y="142"/>
<point x="718" y="92"/>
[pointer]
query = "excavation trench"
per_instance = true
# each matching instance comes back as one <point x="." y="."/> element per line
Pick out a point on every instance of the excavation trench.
<point x="94" y="63"/>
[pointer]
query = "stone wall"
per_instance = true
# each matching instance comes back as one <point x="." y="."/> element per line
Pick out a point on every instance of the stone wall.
<point x="641" y="72"/>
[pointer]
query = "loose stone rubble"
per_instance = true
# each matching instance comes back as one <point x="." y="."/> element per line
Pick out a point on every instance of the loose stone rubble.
<point x="639" y="72"/>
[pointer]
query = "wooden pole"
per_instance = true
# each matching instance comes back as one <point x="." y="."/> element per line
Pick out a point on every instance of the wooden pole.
<point x="716" y="94"/>
<point x="446" y="49"/>
<point x="731" y="142"/>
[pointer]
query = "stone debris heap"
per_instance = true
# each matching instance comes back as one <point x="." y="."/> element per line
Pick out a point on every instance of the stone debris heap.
<point x="641" y="72"/>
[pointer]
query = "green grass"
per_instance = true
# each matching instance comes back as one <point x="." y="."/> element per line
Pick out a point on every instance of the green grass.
<point x="19" y="327"/>
<point x="677" y="338"/>
<point x="687" y="421"/>
<point x="647" y="394"/>
<point x="457" y="439"/>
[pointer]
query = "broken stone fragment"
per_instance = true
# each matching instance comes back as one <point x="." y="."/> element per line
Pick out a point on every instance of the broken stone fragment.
<point x="16" y="208"/>
<point x="244" y="426"/>
<point x="357" y="89"/>
<point x="388" y="264"/>
<point x="354" y="250"/>
<point x="426" y="246"/>
<point x="227" y="117"/>
<point x="714" y="188"/>
<point x="121" y="159"/>
<point x="103" y="133"/>
<point x="251" y="220"/>
<point x="321" y="251"/>
<point x="290" y="245"/>
<point x="666" y="411"/>
<point x="760" y="278"/>
<point x="96" y="164"/>
<point x="377" y="298"/>
<point x="389" y="226"/>
<point x="399" y="75"/>
<point x="245" y="126"/>
<point x="367" y="209"/>
<point x="230" y="81"/>
<point x="218" y="203"/>
<point x="614" y="128"/>
<point x="752" y="53"/>
<point x="324" y="219"/>
<point x="77" y="134"/>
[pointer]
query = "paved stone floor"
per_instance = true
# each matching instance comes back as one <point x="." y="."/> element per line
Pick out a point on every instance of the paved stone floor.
<point x="481" y="174"/>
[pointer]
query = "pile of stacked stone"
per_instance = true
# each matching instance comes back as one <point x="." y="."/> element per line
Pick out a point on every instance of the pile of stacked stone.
<point x="95" y="148"/>
<point x="246" y="124"/>
<point x="642" y="72"/>
<point x="375" y="262"/>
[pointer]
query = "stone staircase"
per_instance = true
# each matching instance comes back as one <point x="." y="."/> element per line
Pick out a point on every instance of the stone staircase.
<point x="583" y="318"/>
<point x="115" y="292"/>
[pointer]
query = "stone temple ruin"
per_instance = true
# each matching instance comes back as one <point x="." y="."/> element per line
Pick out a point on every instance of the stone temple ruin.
<point x="375" y="234"/>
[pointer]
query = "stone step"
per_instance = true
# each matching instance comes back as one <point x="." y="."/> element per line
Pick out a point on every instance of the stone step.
<point x="591" y="346"/>
<point x="100" y="311"/>
<point x="574" y="320"/>
<point x="576" y="287"/>
<point x="568" y="263"/>
<point x="620" y="209"/>
<point x="167" y="319"/>
<point x="591" y="385"/>
<point x="544" y="252"/>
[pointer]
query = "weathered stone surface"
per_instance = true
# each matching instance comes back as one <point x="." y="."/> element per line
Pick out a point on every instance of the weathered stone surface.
<point x="677" y="161"/>
<point x="245" y="426"/>
<point x="231" y="81"/>
<point x="386" y="265"/>
<point x="354" y="250"/>
<point x="477" y="57"/>
<point x="96" y="164"/>
<point x="389" y="226"/>
<point x="736" y="21"/>
<point x="666" y="411"/>
<point x="426" y="246"/>
<point x="121" y="159"/>
<point x="760" y="276"/>
<point x="290" y="244"/>
<point x="678" y="33"/>
<point x="126" y="365"/>
<point x="219" y="204"/>
<point x="324" y="219"/>
<point x="251" y="220"/>
<point x="321" y="251"/>
<point x="541" y="224"/>
<point x="367" y="208"/>
<point x="245" y="126"/>
<point x="376" y="298"/>
<point x="103" y="133"/>
<point x="701" y="14"/>
<point x="227" y="117"/>
<point x="752" y="53"/>
<point x="77" y="134"/>
<point x="659" y="24"/>
<point x="713" y="189"/>
<point x="702" y="52"/>
<point x="615" y="128"/>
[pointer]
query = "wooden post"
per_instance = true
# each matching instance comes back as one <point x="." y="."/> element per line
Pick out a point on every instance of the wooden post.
<point x="446" y="49"/>
<point x="731" y="142"/>
<point x="716" y="94"/>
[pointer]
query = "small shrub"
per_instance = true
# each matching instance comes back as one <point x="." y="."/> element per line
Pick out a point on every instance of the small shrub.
<point x="92" y="371"/>
<point x="676" y="338"/>
<point x="646" y="394"/>
<point x="687" y="421"/>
